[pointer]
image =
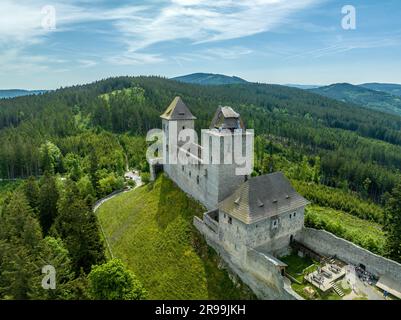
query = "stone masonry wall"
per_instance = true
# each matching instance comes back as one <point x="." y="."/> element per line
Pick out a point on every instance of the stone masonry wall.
<point x="328" y="244"/>
<point x="256" y="270"/>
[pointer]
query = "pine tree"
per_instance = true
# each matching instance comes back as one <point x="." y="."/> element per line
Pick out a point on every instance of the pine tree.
<point x="77" y="225"/>
<point x="31" y="190"/>
<point x="393" y="224"/>
<point x="20" y="236"/>
<point x="48" y="197"/>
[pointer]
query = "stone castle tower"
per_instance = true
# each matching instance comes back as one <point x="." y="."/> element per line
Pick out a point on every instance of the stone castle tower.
<point x="213" y="172"/>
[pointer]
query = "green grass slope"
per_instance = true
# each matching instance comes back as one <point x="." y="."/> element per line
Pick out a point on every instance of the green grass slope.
<point x="151" y="230"/>
<point x="365" y="233"/>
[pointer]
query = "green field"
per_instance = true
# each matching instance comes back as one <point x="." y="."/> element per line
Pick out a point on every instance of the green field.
<point x="151" y="230"/>
<point x="365" y="233"/>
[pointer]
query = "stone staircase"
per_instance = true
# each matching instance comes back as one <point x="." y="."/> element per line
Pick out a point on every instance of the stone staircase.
<point x="338" y="290"/>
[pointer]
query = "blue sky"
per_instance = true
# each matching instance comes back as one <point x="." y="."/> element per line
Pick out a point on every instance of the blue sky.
<point x="272" y="41"/>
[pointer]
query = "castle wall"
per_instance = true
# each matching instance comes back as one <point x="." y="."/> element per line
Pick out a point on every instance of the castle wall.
<point x="197" y="181"/>
<point x="259" y="271"/>
<point x="236" y="236"/>
<point x="275" y="239"/>
<point x="328" y="244"/>
<point x="208" y="183"/>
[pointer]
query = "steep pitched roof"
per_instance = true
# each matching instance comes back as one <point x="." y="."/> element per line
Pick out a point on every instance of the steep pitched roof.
<point x="226" y="118"/>
<point x="177" y="111"/>
<point x="262" y="197"/>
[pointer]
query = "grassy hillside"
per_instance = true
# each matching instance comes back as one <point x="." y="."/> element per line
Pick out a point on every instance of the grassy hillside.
<point x="151" y="230"/>
<point x="371" y="99"/>
<point x="367" y="234"/>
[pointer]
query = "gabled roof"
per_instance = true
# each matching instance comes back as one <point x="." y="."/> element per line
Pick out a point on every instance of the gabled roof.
<point x="177" y="111"/>
<point x="226" y="118"/>
<point x="262" y="197"/>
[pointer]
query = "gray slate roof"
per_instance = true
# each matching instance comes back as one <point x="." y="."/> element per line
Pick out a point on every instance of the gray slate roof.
<point x="226" y="118"/>
<point x="262" y="197"/>
<point x="177" y="110"/>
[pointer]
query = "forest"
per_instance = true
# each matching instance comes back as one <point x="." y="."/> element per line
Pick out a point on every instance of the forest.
<point x="63" y="150"/>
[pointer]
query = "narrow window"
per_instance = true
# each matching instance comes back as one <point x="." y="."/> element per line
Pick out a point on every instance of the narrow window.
<point x="246" y="178"/>
<point x="182" y="168"/>
<point x="190" y="173"/>
<point x="197" y="179"/>
<point x="230" y="220"/>
<point x="295" y="214"/>
<point x="290" y="215"/>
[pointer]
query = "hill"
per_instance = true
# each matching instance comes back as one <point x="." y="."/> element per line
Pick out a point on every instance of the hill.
<point x="394" y="89"/>
<point x="18" y="93"/>
<point x="209" y="79"/>
<point x="367" y="98"/>
<point x="355" y="145"/>
<point x="159" y="244"/>
<point x="302" y="86"/>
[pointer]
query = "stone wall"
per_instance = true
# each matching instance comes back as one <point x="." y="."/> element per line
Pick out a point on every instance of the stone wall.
<point x="328" y="244"/>
<point x="259" y="271"/>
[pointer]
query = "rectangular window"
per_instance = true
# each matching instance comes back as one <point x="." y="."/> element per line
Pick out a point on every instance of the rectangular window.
<point x="230" y="220"/>
<point x="197" y="179"/>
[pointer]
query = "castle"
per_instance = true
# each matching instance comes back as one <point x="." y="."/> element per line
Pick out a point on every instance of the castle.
<point x="251" y="221"/>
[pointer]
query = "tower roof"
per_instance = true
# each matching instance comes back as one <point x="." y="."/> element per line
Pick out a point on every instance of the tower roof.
<point x="226" y="118"/>
<point x="177" y="110"/>
<point x="262" y="197"/>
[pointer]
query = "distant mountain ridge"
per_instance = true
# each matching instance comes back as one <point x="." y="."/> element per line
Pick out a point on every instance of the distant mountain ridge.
<point x="209" y="79"/>
<point x="392" y="88"/>
<point x="302" y="86"/>
<point x="362" y="96"/>
<point x="13" y="93"/>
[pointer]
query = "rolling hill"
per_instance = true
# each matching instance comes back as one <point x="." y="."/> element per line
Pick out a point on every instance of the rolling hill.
<point x="209" y="79"/>
<point x="12" y="93"/>
<point x="159" y="243"/>
<point x="367" y="98"/>
<point x="394" y="89"/>
<point x="302" y="86"/>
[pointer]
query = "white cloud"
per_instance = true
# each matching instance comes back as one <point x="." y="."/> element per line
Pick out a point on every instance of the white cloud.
<point x="343" y="44"/>
<point x="138" y="27"/>
<point x="87" y="63"/>
<point x="134" y="58"/>
<point x="206" y="20"/>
